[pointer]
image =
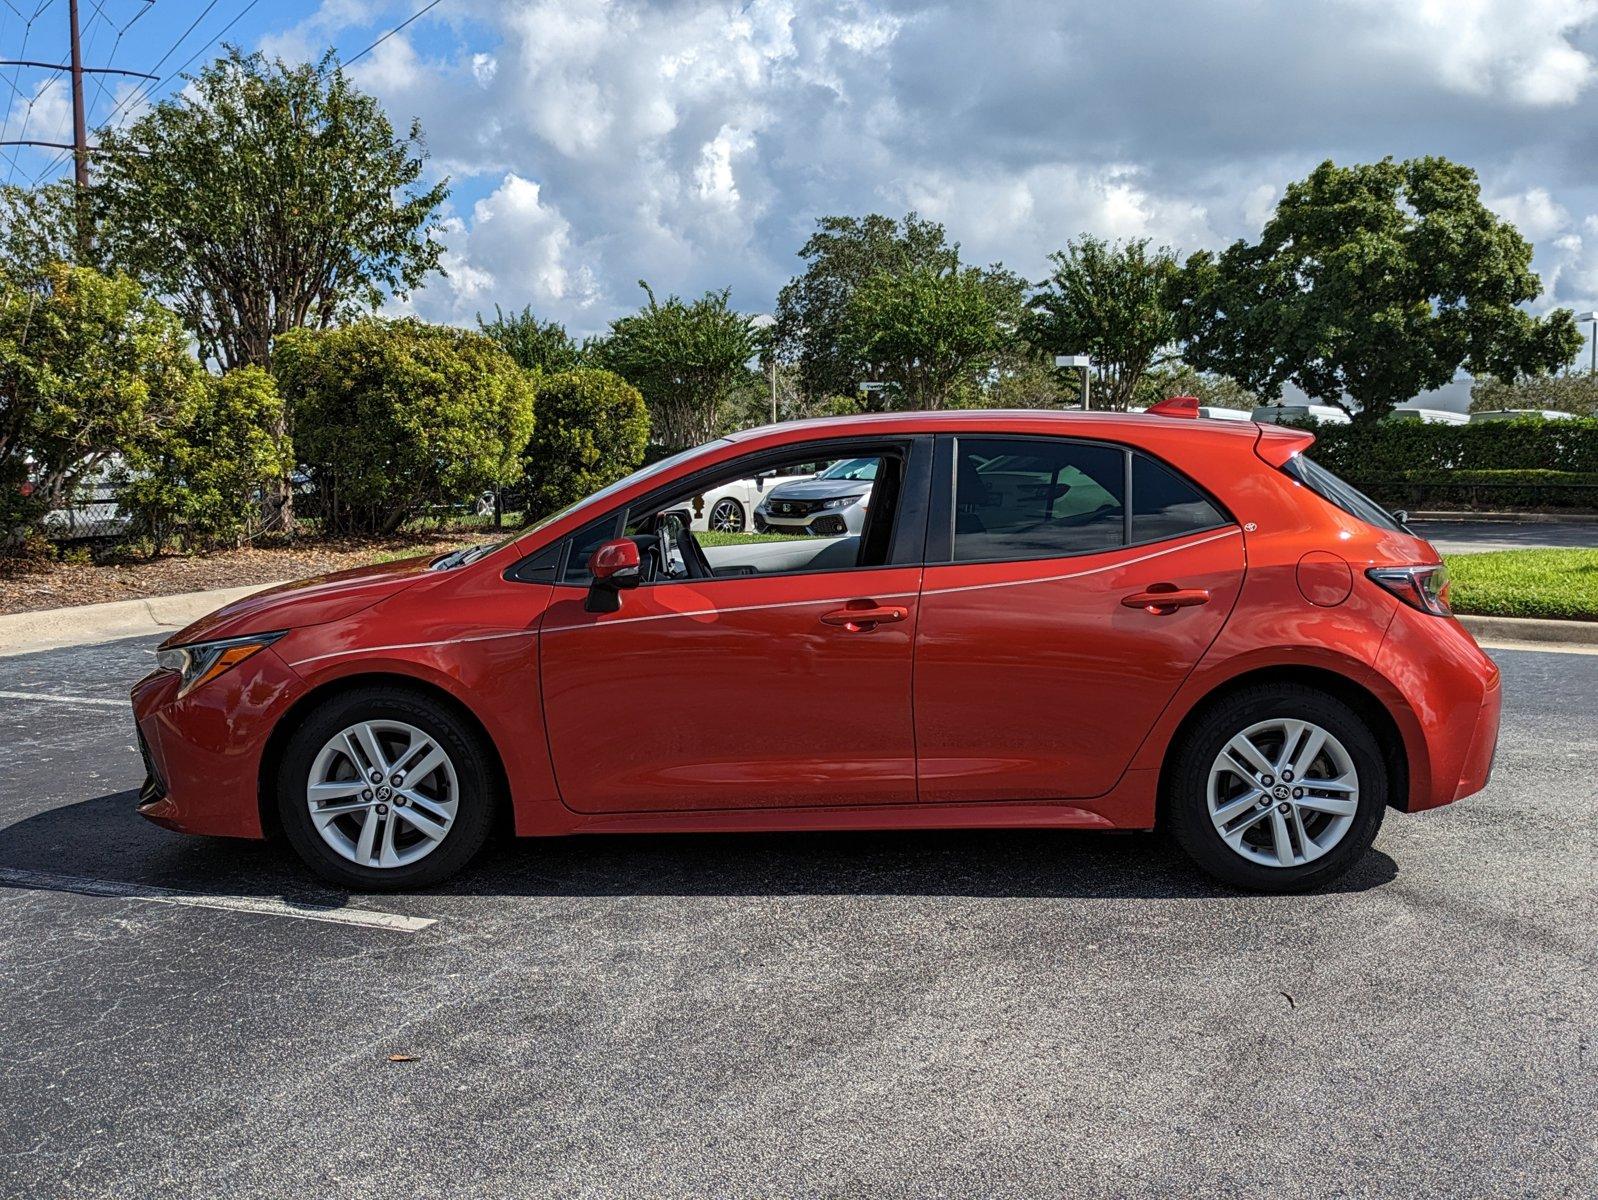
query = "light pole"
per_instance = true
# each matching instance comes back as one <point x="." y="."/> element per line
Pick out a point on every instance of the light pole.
<point x="1086" y="363"/>
<point x="766" y="321"/>
<point x="1593" y="317"/>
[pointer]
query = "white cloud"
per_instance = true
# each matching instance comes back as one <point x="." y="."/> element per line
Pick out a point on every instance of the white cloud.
<point x="694" y="142"/>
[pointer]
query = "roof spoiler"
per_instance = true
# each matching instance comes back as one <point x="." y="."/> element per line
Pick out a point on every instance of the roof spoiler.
<point x="1278" y="443"/>
<point x="1175" y="406"/>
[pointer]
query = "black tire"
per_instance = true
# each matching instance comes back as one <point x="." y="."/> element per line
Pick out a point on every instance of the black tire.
<point x="1187" y="780"/>
<point x="727" y="503"/>
<point x="477" y="782"/>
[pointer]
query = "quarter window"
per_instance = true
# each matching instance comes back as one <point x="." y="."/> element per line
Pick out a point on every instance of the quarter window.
<point x="1024" y="498"/>
<point x="1164" y="505"/>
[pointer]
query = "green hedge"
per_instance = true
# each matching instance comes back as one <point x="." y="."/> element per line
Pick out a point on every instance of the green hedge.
<point x="1507" y="464"/>
<point x="1494" y="489"/>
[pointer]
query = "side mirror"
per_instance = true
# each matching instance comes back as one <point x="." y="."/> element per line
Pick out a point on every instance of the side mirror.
<point x="1401" y="515"/>
<point x="614" y="566"/>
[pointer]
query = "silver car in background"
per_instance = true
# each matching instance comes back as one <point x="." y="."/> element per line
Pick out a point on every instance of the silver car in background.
<point x="832" y="504"/>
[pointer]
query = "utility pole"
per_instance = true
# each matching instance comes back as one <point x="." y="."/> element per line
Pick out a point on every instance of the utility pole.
<point x="80" y="123"/>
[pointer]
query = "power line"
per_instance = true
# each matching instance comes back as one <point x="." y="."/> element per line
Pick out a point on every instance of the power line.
<point x="418" y="13"/>
<point x="151" y="90"/>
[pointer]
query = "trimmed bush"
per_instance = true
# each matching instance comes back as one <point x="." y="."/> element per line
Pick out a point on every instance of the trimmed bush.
<point x="593" y="428"/>
<point x="393" y="417"/>
<point x="207" y="480"/>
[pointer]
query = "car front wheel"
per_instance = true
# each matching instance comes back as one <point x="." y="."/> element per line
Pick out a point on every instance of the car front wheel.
<point x="1277" y="788"/>
<point x="727" y="516"/>
<point x="383" y="789"/>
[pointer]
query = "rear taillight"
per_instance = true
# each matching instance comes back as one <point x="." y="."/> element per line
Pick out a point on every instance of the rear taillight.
<point x="1423" y="587"/>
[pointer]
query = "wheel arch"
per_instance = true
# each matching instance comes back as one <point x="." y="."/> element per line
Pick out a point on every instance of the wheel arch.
<point x="277" y="740"/>
<point x="1359" y="697"/>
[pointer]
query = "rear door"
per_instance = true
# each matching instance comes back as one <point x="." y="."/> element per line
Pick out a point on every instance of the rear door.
<point x="1070" y="587"/>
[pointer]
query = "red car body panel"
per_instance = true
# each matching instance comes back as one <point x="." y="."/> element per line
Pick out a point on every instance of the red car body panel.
<point x="1009" y="693"/>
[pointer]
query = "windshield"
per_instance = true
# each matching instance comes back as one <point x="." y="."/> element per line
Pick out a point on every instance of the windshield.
<point x="852" y="468"/>
<point x="1344" y="495"/>
<point x="609" y="490"/>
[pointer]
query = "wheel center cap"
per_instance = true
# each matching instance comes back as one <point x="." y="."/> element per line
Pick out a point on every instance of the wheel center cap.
<point x="383" y="793"/>
<point x="1281" y="793"/>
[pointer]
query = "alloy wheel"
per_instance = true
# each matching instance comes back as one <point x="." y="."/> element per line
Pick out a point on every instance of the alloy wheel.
<point x="727" y="517"/>
<point x="382" y="793"/>
<point x="1283" y="792"/>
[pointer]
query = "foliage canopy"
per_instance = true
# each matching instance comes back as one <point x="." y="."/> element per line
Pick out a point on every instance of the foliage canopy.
<point x="265" y="197"/>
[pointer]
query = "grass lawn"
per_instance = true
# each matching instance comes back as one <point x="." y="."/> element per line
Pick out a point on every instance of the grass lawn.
<point x="1561" y="584"/>
<point x="712" y="538"/>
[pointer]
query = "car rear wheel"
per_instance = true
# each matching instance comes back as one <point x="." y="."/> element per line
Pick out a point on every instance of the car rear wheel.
<point x="381" y="789"/>
<point x="1277" y="788"/>
<point x="727" y="516"/>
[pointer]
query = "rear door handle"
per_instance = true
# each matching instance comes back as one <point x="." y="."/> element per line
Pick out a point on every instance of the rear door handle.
<point x="1162" y="599"/>
<point x="862" y="616"/>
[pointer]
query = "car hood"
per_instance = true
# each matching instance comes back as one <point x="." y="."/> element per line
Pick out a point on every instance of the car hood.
<point x="819" y="489"/>
<point x="305" y="602"/>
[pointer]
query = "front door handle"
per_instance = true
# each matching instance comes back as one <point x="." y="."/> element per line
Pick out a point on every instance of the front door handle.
<point x="862" y="616"/>
<point x="1163" y="599"/>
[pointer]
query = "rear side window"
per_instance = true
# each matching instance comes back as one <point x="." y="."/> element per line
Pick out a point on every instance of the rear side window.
<point x="1335" y="491"/>
<point x="1164" y="505"/>
<point x="1019" y="498"/>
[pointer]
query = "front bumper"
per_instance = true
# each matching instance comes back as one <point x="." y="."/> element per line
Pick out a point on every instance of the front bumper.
<point x="202" y="753"/>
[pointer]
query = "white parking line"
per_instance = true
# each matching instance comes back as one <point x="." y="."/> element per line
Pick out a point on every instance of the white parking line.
<point x="120" y="703"/>
<point x="44" y="882"/>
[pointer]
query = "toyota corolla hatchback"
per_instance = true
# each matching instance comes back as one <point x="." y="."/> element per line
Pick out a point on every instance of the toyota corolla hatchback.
<point x="1045" y="620"/>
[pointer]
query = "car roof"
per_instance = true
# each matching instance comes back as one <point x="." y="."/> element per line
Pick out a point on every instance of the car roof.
<point x="1113" y="425"/>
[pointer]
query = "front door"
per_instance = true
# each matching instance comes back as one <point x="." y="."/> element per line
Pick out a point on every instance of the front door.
<point x="775" y="673"/>
<point x="1037" y="676"/>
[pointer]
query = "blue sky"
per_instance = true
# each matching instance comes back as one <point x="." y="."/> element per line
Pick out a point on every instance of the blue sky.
<point x="591" y="143"/>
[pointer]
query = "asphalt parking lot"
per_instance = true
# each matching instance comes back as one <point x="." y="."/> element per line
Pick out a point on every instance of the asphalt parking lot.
<point x="962" y="1014"/>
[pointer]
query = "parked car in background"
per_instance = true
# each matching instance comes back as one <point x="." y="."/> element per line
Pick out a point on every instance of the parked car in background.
<point x="1520" y="414"/>
<point x="1045" y="620"/>
<point x="832" y="504"/>
<point x="730" y="507"/>
<point x="1216" y="412"/>
<point x="1327" y="414"/>
<point x="1429" y="416"/>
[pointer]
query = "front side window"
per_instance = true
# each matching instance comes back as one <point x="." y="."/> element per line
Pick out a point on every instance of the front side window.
<point x="1019" y="498"/>
<point x="837" y="518"/>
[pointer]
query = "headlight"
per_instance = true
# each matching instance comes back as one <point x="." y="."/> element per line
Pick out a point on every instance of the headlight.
<point x="201" y="661"/>
<point x="842" y="502"/>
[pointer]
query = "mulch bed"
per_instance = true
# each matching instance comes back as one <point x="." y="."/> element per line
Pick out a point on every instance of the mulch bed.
<point x="29" y="586"/>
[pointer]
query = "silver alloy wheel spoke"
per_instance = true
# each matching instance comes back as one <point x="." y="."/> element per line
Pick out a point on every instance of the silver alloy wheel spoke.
<point x="358" y="805"/>
<point x="1283" y="792"/>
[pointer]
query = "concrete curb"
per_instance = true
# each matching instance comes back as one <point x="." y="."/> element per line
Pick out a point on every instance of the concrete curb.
<point x="1531" y="629"/>
<point x="1507" y="518"/>
<point x="88" y="624"/>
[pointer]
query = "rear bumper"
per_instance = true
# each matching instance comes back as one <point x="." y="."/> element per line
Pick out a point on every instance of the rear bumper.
<point x="202" y="752"/>
<point x="1451" y="699"/>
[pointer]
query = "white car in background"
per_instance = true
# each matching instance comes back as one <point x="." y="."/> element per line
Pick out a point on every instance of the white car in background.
<point x="730" y="507"/>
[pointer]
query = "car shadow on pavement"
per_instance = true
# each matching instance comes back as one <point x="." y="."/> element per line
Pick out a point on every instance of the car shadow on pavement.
<point x="104" y="838"/>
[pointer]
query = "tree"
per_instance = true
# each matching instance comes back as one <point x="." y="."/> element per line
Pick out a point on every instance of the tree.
<point x="89" y="367"/>
<point x="1370" y="285"/>
<point x="593" y="428"/>
<point x="1177" y="378"/>
<point x="535" y="345"/>
<point x="686" y="359"/>
<point x="927" y="331"/>
<point x="391" y="417"/>
<point x="207" y="477"/>
<point x="1112" y="303"/>
<point x="813" y="308"/>
<point x="1576" y="392"/>
<point x="265" y="197"/>
<point x="37" y="230"/>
